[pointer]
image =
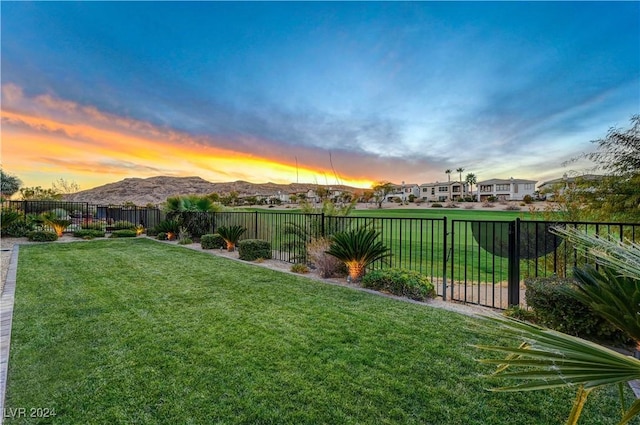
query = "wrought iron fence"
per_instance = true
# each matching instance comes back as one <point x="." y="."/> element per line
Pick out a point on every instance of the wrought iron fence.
<point x="490" y="260"/>
<point x="83" y="213"/>
<point x="471" y="261"/>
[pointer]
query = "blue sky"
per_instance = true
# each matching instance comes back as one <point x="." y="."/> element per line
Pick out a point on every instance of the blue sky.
<point x="382" y="91"/>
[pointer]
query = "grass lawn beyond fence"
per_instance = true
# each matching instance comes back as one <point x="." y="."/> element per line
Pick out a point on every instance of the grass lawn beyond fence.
<point x="134" y="331"/>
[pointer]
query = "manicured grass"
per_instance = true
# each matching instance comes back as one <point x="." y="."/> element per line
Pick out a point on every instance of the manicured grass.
<point x="478" y="213"/>
<point x="135" y="331"/>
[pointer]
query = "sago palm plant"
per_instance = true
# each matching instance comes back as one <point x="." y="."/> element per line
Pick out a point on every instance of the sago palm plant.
<point x="231" y="235"/>
<point x="357" y="249"/>
<point x="58" y="224"/>
<point x="549" y="359"/>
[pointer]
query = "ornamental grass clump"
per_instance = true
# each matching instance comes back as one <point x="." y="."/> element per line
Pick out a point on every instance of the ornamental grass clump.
<point x="231" y="235"/>
<point x="357" y="249"/>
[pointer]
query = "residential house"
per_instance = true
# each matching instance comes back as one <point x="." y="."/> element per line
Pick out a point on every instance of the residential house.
<point x="404" y="191"/>
<point x="554" y="187"/>
<point x="443" y="191"/>
<point x="506" y="189"/>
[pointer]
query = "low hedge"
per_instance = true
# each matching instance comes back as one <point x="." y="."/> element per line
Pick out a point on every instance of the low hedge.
<point x="253" y="249"/>
<point x="124" y="233"/>
<point x="404" y="283"/>
<point x="555" y="309"/>
<point x="212" y="241"/>
<point x="89" y="233"/>
<point x="42" y="236"/>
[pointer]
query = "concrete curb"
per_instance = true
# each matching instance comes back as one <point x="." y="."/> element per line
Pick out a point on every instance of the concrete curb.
<point x="6" y="317"/>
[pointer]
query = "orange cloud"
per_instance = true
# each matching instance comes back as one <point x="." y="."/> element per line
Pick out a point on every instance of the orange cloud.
<point x="45" y="138"/>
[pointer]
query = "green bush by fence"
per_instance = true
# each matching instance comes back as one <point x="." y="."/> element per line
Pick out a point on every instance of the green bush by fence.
<point x="253" y="249"/>
<point x="557" y="310"/>
<point x="42" y="236"/>
<point x="212" y="241"/>
<point x="89" y="233"/>
<point x="124" y="233"/>
<point x="404" y="283"/>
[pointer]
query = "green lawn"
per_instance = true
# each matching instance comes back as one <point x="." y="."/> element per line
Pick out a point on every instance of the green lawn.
<point x="134" y="331"/>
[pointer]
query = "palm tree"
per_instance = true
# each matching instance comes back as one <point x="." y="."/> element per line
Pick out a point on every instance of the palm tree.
<point x="357" y="249"/>
<point x="552" y="359"/>
<point x="460" y="170"/>
<point x="190" y="211"/>
<point x="471" y="179"/>
<point x="448" y="171"/>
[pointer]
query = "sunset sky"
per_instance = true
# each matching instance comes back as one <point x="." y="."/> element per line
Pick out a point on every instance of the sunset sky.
<point x="353" y="93"/>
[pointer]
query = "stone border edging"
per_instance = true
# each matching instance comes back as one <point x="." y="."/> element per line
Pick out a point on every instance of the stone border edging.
<point x="7" y="299"/>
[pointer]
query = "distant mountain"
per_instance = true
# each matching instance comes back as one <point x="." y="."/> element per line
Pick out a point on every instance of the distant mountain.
<point x="155" y="190"/>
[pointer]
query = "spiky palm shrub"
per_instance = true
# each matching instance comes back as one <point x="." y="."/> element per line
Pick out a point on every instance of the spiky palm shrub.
<point x="613" y="297"/>
<point x="548" y="359"/>
<point x="55" y="222"/>
<point x="357" y="249"/>
<point x="8" y="217"/>
<point x="231" y="235"/>
<point x="170" y="227"/>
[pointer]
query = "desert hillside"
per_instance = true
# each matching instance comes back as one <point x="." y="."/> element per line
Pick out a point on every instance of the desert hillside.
<point x="156" y="190"/>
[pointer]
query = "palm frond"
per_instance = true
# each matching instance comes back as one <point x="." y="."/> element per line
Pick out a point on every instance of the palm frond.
<point x="622" y="256"/>
<point x="552" y="359"/>
<point x="614" y="297"/>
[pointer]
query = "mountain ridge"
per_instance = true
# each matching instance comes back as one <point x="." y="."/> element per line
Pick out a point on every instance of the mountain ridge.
<point x="155" y="190"/>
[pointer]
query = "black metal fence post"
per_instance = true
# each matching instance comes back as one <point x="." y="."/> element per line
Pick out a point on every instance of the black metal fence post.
<point x="444" y="259"/>
<point x="513" y="286"/>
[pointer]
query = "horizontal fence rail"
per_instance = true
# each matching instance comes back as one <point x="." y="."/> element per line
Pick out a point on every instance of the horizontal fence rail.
<point x="470" y="261"/>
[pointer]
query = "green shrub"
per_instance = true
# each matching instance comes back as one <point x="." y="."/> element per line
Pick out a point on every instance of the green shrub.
<point x="520" y="313"/>
<point x="42" y="236"/>
<point x="8" y="218"/>
<point x="185" y="241"/>
<point x="527" y="199"/>
<point x="162" y="236"/>
<point x="436" y="205"/>
<point x="404" y="283"/>
<point x="18" y="229"/>
<point x="123" y="225"/>
<point x="89" y="233"/>
<point x="252" y="249"/>
<point x="124" y="233"/>
<point x="300" y="268"/>
<point x="555" y="309"/>
<point x="212" y="241"/>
